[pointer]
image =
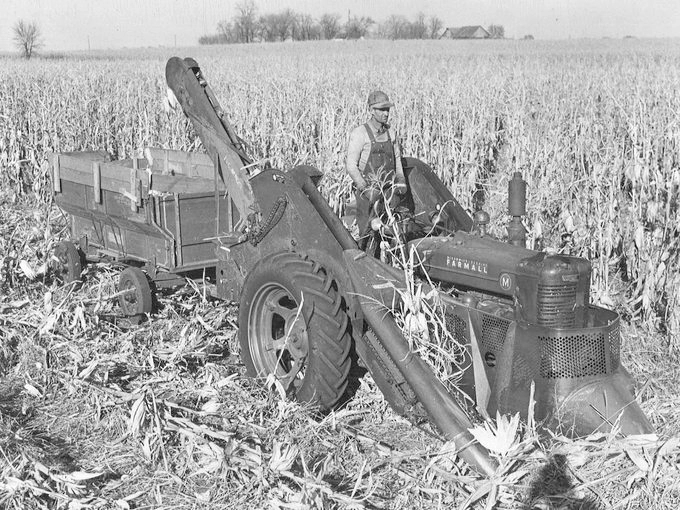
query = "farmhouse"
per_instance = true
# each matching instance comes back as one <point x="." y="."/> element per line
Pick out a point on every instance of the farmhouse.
<point x="469" y="32"/>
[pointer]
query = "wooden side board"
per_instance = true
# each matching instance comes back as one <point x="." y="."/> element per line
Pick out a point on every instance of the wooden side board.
<point x="126" y="177"/>
<point x="181" y="172"/>
<point x="166" y="171"/>
<point x="173" y="162"/>
<point x="183" y="184"/>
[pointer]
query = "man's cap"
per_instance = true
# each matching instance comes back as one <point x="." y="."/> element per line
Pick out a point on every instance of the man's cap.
<point x="378" y="99"/>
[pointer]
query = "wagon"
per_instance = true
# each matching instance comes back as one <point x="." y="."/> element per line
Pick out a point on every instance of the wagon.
<point x="157" y="215"/>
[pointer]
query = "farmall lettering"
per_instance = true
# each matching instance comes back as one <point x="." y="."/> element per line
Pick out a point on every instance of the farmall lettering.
<point x="473" y="266"/>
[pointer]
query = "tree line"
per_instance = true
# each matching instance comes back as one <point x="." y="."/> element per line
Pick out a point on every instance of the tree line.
<point x="249" y="25"/>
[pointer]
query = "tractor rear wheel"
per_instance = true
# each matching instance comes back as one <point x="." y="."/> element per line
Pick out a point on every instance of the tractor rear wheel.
<point x="292" y="324"/>
<point x="67" y="262"/>
<point x="136" y="298"/>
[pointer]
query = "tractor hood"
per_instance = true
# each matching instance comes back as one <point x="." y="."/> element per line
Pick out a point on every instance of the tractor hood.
<point x="549" y="290"/>
<point x="469" y="260"/>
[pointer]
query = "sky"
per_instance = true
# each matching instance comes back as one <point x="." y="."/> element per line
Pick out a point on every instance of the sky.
<point x="103" y="24"/>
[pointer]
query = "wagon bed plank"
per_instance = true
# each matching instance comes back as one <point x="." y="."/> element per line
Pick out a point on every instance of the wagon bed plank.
<point x="183" y="184"/>
<point x="173" y="162"/>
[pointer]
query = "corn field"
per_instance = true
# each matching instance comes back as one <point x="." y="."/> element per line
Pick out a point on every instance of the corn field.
<point x="594" y="127"/>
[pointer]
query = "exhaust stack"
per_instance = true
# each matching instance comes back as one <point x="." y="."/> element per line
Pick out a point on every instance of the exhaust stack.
<point x="517" y="207"/>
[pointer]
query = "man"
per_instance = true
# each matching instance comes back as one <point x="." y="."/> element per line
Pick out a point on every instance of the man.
<point x="373" y="158"/>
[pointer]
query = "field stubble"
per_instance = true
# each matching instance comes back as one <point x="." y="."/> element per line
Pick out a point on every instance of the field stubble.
<point x="594" y="129"/>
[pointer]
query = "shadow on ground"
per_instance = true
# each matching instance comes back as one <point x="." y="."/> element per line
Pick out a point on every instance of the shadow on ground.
<point x="553" y="488"/>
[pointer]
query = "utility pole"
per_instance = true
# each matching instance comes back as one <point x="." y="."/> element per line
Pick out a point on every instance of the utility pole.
<point x="88" y="43"/>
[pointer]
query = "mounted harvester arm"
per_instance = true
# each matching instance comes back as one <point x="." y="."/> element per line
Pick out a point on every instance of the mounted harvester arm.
<point x="225" y="148"/>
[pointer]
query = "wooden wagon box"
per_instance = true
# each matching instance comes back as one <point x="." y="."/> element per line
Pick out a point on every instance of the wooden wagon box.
<point x="160" y="211"/>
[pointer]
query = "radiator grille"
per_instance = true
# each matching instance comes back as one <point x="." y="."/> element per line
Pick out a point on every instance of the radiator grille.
<point x="494" y="330"/>
<point x="579" y="355"/>
<point x="456" y="327"/>
<point x="557" y="305"/>
<point x="615" y="346"/>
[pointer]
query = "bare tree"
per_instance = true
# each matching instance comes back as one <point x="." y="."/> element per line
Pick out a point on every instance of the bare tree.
<point x="330" y="26"/>
<point x="496" y="31"/>
<point x="225" y="32"/>
<point x="418" y="28"/>
<point x="27" y="38"/>
<point x="245" y="21"/>
<point x="268" y="27"/>
<point x="309" y="28"/>
<point x="285" y="24"/>
<point x="294" y="19"/>
<point x="434" y="25"/>
<point x="395" y="27"/>
<point x="357" y="27"/>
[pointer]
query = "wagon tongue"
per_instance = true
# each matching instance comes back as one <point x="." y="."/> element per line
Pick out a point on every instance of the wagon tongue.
<point x="373" y="283"/>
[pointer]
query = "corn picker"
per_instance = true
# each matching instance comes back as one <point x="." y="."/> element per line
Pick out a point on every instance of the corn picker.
<point x="309" y="298"/>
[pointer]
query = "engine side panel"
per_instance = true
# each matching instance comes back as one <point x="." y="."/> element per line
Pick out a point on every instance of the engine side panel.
<point x="468" y="260"/>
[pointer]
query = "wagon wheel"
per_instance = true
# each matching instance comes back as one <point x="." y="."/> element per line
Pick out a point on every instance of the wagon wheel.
<point x="292" y="325"/>
<point x="67" y="265"/>
<point x="136" y="298"/>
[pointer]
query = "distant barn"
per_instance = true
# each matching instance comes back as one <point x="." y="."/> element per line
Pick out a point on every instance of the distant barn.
<point x="471" y="32"/>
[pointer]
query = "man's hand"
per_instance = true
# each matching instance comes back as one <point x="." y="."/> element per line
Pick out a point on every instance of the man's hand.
<point x="400" y="188"/>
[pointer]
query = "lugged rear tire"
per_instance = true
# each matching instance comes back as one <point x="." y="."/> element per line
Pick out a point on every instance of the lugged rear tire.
<point x="292" y="323"/>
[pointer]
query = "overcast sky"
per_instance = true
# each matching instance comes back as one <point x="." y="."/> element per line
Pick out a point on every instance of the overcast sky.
<point x="73" y="24"/>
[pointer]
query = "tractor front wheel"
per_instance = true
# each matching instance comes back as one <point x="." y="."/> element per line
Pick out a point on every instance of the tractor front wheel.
<point x="292" y="324"/>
